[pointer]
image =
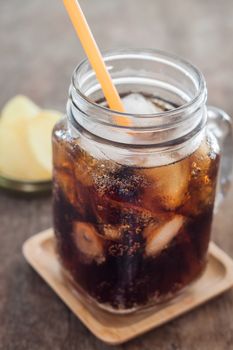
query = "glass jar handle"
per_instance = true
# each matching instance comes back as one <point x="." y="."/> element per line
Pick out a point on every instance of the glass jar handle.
<point x="220" y="125"/>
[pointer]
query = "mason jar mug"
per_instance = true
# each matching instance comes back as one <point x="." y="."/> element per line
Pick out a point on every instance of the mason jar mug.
<point x="133" y="203"/>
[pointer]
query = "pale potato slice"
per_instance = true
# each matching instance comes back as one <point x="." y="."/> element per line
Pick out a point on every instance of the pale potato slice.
<point x="20" y="157"/>
<point x="19" y="107"/>
<point x="39" y="133"/>
<point x="16" y="159"/>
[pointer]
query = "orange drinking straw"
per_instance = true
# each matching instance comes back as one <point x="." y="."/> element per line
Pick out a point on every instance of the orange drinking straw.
<point x="95" y="58"/>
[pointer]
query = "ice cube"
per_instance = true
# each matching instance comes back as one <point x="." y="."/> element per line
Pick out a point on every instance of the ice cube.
<point x="111" y="232"/>
<point x="92" y="171"/>
<point x="203" y="157"/>
<point x="204" y="164"/>
<point x="120" y="214"/>
<point x="61" y="154"/>
<point x="167" y="185"/>
<point x="158" y="239"/>
<point x="87" y="241"/>
<point x="121" y="184"/>
<point x="84" y="167"/>
<point x="138" y="104"/>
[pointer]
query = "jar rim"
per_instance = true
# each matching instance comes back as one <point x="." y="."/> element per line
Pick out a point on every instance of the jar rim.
<point x="148" y="54"/>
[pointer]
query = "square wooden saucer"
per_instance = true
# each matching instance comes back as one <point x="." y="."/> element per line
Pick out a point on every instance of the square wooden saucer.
<point x="39" y="251"/>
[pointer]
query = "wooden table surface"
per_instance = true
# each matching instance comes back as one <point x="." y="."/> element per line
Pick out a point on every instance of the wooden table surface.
<point x="39" y="50"/>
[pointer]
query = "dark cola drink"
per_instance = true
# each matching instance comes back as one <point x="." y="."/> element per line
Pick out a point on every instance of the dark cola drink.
<point x="131" y="236"/>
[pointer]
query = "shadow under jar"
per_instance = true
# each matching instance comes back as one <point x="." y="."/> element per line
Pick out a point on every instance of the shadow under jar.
<point x="133" y="205"/>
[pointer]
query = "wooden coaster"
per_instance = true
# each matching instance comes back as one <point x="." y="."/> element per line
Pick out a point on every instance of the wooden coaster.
<point x="116" y="329"/>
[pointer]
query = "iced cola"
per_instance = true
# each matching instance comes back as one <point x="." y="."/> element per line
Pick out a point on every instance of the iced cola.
<point x="131" y="236"/>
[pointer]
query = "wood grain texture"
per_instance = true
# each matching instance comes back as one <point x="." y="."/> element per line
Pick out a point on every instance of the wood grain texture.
<point x="38" y="53"/>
